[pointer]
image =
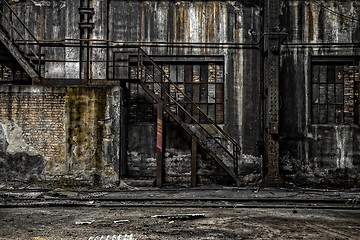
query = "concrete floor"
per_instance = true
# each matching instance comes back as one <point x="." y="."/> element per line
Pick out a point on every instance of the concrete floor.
<point x="278" y="214"/>
<point x="249" y="223"/>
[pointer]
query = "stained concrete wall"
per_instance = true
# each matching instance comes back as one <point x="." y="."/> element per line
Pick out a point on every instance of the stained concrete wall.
<point x="316" y="154"/>
<point x="67" y="136"/>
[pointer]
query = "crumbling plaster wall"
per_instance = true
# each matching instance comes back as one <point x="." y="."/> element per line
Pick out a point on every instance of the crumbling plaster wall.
<point x="316" y="154"/>
<point x="59" y="135"/>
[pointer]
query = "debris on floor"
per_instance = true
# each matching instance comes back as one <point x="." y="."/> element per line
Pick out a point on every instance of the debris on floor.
<point x="181" y="217"/>
<point x="121" y="221"/>
<point x="113" y="237"/>
<point x="83" y="222"/>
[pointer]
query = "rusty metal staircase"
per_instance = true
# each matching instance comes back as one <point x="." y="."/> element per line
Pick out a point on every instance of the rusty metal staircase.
<point x="20" y="42"/>
<point x="210" y="136"/>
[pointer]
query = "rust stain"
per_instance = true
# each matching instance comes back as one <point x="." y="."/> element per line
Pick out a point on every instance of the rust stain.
<point x="186" y="22"/>
<point x="311" y="24"/>
<point x="200" y="14"/>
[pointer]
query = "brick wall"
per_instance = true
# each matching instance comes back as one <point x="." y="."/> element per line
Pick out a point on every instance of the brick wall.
<point x="39" y="113"/>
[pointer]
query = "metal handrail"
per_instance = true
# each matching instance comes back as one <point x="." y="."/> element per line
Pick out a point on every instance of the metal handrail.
<point x="27" y="30"/>
<point x="236" y="146"/>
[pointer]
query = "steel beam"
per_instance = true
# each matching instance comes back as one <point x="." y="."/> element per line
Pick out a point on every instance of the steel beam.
<point x="271" y="175"/>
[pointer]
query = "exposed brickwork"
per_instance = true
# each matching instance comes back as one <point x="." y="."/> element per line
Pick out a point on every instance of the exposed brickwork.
<point x="68" y="135"/>
<point x="40" y="115"/>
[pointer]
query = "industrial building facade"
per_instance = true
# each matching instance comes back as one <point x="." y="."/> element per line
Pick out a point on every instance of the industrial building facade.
<point x="180" y="92"/>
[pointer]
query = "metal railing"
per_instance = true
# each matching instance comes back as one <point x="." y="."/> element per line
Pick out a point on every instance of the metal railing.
<point x="161" y="85"/>
<point x="20" y="34"/>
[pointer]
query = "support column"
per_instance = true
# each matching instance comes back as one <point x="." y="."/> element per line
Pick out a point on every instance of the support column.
<point x="193" y="161"/>
<point x="159" y="146"/>
<point x="271" y="174"/>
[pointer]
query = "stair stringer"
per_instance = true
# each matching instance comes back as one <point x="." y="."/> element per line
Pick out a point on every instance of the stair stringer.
<point x="20" y="58"/>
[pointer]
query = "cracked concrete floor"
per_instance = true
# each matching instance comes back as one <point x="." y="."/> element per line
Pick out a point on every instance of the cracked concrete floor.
<point x="219" y="223"/>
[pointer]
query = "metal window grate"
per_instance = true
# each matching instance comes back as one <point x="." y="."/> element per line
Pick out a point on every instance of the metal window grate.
<point x="335" y="88"/>
<point x="202" y="82"/>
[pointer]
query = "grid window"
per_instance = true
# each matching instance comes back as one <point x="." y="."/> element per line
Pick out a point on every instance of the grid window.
<point x="202" y="82"/>
<point x="335" y="92"/>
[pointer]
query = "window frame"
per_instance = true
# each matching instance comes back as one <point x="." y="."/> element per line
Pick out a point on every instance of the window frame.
<point x="192" y="62"/>
<point x="335" y="61"/>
